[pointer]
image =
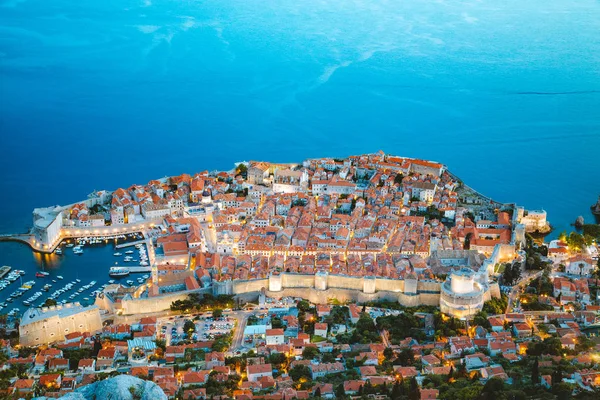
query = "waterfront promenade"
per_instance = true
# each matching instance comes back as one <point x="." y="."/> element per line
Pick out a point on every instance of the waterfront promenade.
<point x="33" y="241"/>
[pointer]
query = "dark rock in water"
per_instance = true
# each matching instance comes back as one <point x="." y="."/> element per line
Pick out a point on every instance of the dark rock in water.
<point x="596" y="208"/>
<point x="579" y="222"/>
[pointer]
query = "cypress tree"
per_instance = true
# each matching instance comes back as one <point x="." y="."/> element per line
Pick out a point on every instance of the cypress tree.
<point x="535" y="372"/>
<point x="396" y="391"/>
<point x="413" y="392"/>
<point x="450" y="373"/>
<point x="318" y="392"/>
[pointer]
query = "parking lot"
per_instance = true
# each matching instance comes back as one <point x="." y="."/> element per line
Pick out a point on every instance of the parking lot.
<point x="206" y="328"/>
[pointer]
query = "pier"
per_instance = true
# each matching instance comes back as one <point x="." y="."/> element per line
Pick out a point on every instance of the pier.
<point x="135" y="269"/>
<point x="26" y="238"/>
<point x="129" y="244"/>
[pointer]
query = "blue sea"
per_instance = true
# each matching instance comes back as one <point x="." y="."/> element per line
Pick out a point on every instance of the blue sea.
<point x="103" y="94"/>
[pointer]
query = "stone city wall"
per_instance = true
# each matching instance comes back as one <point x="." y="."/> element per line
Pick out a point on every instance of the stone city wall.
<point x="156" y="304"/>
<point x="249" y="286"/>
<point x="356" y="296"/>
<point x="297" y="280"/>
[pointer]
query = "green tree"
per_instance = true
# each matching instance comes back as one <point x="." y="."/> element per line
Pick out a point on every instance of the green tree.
<point x="189" y="327"/>
<point x="310" y="353"/>
<point x="406" y="357"/>
<point x="535" y="372"/>
<point x="414" y="393"/>
<point x="398" y="179"/>
<point x="340" y="393"/>
<point x="481" y="319"/>
<point x="241" y="168"/>
<point x="388" y="353"/>
<point x="467" y="244"/>
<point x="300" y="371"/>
<point x="492" y="388"/>
<point x="318" y="392"/>
<point x="303" y="305"/>
<point x="397" y="391"/>
<point x="217" y="313"/>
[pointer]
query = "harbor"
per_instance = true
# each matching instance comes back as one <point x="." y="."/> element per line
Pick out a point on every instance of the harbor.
<point x="75" y="272"/>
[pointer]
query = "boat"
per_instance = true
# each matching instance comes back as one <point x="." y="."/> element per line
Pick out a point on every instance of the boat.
<point x="117" y="254"/>
<point x="118" y="272"/>
<point x="78" y="252"/>
<point x="41" y="274"/>
<point x="70" y="245"/>
<point x="111" y="281"/>
<point x="26" y="303"/>
<point x="130" y="282"/>
<point x="78" y="280"/>
<point x="58" y="251"/>
<point x="129" y="252"/>
<point x="59" y="277"/>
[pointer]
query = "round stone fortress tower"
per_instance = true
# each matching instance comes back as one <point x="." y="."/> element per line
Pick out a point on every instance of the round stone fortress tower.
<point x="461" y="295"/>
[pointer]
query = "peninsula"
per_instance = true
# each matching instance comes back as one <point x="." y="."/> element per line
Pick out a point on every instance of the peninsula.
<point x="270" y="280"/>
<point x="364" y="228"/>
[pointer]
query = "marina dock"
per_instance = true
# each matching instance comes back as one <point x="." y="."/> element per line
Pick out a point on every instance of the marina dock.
<point x="135" y="269"/>
<point x="129" y="244"/>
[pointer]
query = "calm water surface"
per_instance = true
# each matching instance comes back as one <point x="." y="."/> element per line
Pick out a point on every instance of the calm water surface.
<point x="102" y="94"/>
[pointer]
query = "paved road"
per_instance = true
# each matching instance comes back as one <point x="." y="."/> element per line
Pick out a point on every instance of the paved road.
<point x="211" y="237"/>
<point x="384" y="337"/>
<point x="238" y="337"/>
<point x="516" y="290"/>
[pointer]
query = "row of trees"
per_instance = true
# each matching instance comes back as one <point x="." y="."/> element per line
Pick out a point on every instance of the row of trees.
<point x="199" y="302"/>
<point x="365" y="332"/>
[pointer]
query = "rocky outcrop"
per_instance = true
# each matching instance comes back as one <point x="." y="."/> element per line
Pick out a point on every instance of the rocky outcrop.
<point x="122" y="387"/>
<point x="596" y="207"/>
<point x="579" y="222"/>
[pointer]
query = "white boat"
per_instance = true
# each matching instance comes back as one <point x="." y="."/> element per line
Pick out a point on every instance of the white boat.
<point x="117" y="254"/>
<point x="130" y="282"/>
<point x="129" y="252"/>
<point x="58" y="251"/>
<point x="59" y="277"/>
<point x="78" y="280"/>
<point x="70" y="245"/>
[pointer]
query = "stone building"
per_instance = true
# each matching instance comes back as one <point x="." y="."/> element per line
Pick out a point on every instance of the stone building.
<point x="51" y="324"/>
